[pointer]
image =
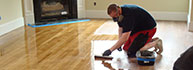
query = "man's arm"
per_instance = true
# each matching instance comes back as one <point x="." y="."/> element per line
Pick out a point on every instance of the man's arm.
<point x="120" y="31"/>
<point x="123" y="38"/>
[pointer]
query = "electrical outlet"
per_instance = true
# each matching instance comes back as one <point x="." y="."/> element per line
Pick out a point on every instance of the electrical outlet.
<point x="94" y="3"/>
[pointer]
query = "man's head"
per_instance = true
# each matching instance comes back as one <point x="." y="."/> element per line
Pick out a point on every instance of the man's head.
<point x="113" y="10"/>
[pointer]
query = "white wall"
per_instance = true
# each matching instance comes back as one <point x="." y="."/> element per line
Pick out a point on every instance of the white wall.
<point x="11" y="15"/>
<point x="160" y="9"/>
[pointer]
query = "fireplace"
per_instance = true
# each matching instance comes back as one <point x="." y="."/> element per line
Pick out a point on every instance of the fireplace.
<point x="53" y="10"/>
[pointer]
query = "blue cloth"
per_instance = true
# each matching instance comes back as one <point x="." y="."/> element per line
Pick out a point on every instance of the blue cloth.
<point x="67" y="22"/>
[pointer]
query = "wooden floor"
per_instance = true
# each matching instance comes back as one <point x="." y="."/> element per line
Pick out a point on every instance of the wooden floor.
<point x="68" y="47"/>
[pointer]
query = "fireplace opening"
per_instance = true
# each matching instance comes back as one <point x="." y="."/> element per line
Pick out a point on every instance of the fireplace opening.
<point x="54" y="10"/>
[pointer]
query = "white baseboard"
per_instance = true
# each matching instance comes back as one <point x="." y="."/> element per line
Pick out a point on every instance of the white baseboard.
<point x="177" y="16"/>
<point x="9" y="26"/>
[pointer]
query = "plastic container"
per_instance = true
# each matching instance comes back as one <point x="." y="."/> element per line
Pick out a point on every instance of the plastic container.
<point x="146" y="58"/>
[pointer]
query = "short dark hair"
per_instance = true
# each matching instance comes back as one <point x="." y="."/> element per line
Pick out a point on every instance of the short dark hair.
<point x="112" y="7"/>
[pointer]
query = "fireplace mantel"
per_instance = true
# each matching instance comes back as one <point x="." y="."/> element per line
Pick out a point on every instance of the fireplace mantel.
<point x="29" y="10"/>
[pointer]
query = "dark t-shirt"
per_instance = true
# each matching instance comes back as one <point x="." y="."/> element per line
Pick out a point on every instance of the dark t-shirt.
<point x="135" y="19"/>
<point x="185" y="61"/>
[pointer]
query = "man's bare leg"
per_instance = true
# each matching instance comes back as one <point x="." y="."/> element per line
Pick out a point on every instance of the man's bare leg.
<point x="156" y="43"/>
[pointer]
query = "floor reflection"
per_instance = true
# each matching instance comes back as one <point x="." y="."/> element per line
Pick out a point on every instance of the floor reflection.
<point x="108" y="65"/>
<point x="47" y="48"/>
<point x="57" y="48"/>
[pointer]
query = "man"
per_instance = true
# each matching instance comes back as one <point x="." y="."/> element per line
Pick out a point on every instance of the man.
<point x="136" y="29"/>
<point x="185" y="61"/>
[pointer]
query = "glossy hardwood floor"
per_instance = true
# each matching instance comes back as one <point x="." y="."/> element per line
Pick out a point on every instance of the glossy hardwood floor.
<point x="68" y="47"/>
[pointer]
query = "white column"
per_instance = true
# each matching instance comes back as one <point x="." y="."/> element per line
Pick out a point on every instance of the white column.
<point x="190" y="16"/>
<point x="28" y="12"/>
<point x="81" y="8"/>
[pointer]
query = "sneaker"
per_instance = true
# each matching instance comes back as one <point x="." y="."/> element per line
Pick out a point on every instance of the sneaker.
<point x="154" y="39"/>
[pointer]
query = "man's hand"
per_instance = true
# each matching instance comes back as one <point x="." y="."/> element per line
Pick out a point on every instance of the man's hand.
<point x="107" y="53"/>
